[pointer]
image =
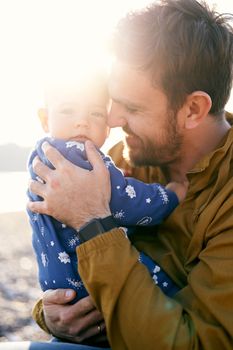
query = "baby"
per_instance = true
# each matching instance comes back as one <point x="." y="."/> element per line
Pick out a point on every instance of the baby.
<point x="72" y="115"/>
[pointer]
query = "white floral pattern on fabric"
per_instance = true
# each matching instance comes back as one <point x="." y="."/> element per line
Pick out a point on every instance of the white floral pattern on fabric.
<point x="148" y="200"/>
<point x="52" y="243"/>
<point x="155" y="279"/>
<point x="64" y="258"/>
<point x="74" y="283"/>
<point x="156" y="269"/>
<point x="44" y="259"/>
<point x="76" y="144"/>
<point x="119" y="214"/>
<point x="73" y="241"/>
<point x="34" y="217"/>
<point x="42" y="230"/>
<point x="163" y="195"/>
<point x="130" y="191"/>
<point x="160" y="278"/>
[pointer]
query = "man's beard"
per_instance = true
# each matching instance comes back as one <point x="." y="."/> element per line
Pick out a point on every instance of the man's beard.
<point x="150" y="152"/>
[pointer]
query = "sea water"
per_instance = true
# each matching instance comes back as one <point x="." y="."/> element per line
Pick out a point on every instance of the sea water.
<point x="13" y="187"/>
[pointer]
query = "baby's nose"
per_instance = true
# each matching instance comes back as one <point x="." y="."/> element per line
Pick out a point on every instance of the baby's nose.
<point x="81" y="120"/>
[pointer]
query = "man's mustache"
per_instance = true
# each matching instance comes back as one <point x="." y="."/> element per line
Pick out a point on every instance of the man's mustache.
<point x="128" y="131"/>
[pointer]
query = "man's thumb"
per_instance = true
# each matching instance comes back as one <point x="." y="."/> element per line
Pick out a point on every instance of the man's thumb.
<point x="93" y="155"/>
<point x="58" y="296"/>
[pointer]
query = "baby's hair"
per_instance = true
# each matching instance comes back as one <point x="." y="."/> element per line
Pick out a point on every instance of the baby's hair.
<point x="91" y="81"/>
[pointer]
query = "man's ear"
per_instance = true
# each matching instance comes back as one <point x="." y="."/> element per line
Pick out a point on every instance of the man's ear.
<point x="198" y="105"/>
<point x="43" y="116"/>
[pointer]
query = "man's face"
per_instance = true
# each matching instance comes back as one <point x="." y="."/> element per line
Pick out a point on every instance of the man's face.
<point x="152" y="131"/>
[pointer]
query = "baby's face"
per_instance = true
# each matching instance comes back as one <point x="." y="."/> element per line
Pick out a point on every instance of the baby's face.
<point x="79" y="118"/>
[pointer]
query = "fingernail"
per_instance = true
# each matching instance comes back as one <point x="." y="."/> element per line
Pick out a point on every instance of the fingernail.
<point x="69" y="294"/>
<point x="44" y="145"/>
<point x="90" y="144"/>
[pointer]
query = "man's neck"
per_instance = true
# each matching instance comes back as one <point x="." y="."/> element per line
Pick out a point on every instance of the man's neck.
<point x="197" y="144"/>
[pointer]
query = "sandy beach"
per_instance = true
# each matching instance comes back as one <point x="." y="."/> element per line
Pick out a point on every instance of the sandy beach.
<point x="19" y="288"/>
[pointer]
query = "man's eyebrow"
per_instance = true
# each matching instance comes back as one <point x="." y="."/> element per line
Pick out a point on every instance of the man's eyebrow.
<point x="127" y="103"/>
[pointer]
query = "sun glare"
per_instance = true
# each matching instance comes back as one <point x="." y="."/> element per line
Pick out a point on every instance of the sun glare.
<point x="41" y="39"/>
<point x="46" y="38"/>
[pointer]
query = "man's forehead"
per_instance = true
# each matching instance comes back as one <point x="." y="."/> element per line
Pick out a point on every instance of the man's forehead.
<point x="127" y="80"/>
<point x="125" y="72"/>
<point x="119" y="68"/>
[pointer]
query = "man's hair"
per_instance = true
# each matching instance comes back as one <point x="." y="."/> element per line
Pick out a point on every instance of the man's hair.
<point x="184" y="45"/>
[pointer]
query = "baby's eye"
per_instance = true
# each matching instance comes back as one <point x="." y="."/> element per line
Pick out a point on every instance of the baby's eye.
<point x="98" y="114"/>
<point x="68" y="111"/>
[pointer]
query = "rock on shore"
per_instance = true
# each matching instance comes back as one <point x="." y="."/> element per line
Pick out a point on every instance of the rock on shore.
<point x="19" y="287"/>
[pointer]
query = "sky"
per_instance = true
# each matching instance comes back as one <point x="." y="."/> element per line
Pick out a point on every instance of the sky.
<point x="36" y="35"/>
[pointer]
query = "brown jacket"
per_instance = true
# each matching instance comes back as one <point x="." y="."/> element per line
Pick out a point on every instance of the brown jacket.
<point x="195" y="246"/>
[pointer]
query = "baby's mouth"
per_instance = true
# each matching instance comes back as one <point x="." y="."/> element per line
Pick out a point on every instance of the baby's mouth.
<point x="80" y="138"/>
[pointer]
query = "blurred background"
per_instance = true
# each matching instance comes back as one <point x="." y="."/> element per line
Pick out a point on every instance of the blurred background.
<point x="36" y="35"/>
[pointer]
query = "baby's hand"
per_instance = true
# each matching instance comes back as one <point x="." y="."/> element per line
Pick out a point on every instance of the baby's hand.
<point x="180" y="188"/>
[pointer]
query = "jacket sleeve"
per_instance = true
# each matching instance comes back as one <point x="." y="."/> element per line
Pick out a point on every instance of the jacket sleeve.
<point x="139" y="316"/>
<point x="38" y="316"/>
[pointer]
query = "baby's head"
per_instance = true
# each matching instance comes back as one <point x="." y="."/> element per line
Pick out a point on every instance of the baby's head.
<point x="76" y="109"/>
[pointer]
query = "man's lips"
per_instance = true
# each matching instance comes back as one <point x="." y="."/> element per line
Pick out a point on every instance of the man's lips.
<point x="131" y="140"/>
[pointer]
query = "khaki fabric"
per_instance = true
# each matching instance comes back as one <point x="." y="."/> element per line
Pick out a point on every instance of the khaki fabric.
<point x="38" y="316"/>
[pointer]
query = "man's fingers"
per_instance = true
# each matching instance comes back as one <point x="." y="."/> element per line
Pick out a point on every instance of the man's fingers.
<point x="40" y="169"/>
<point x="37" y="207"/>
<point x="36" y="187"/>
<point x="93" y="156"/>
<point x="84" y="306"/>
<point x="58" y="296"/>
<point x="92" y="325"/>
<point x="75" y="322"/>
<point x="53" y="155"/>
<point x="97" y="332"/>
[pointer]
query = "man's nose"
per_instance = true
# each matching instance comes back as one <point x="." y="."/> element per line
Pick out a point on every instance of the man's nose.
<point x="116" y="116"/>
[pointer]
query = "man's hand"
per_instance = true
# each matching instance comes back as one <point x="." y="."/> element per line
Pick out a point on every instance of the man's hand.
<point x="71" y="194"/>
<point x="75" y="323"/>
